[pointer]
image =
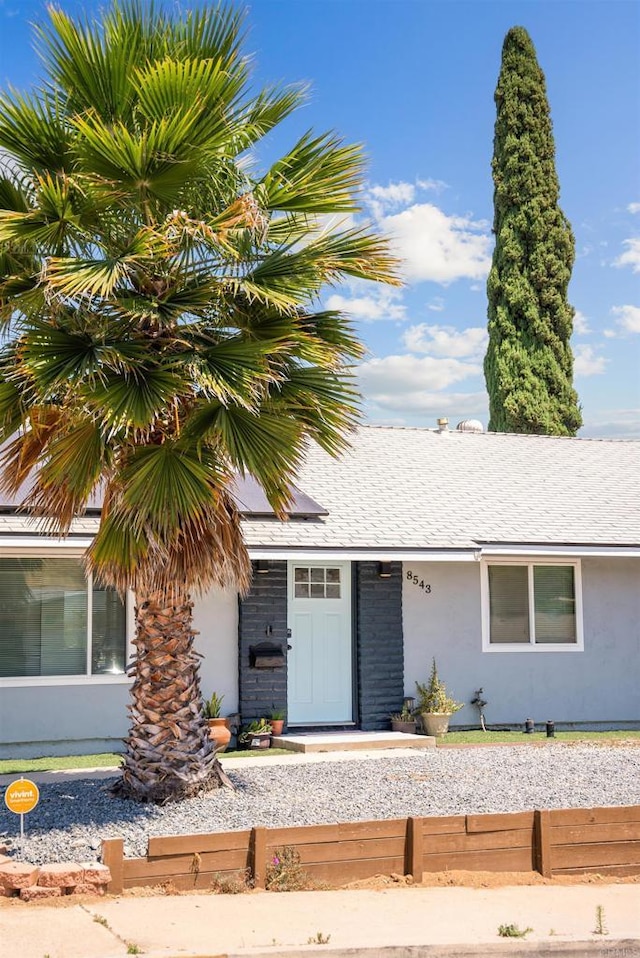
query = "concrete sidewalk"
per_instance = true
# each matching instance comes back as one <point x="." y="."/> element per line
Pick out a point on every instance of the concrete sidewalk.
<point x="394" y="923"/>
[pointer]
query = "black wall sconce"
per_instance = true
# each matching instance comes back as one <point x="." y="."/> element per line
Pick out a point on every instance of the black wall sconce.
<point x="384" y="570"/>
<point x="262" y="566"/>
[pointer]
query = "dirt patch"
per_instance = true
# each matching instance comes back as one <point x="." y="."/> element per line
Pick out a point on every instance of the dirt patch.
<point x="469" y="879"/>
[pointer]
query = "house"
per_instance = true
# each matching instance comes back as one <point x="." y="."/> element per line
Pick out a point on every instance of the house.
<point x="513" y="559"/>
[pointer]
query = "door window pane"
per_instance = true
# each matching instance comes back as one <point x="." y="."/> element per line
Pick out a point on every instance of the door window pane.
<point x="316" y="583"/>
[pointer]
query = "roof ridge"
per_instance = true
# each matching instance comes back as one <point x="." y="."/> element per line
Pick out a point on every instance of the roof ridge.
<point x="506" y="435"/>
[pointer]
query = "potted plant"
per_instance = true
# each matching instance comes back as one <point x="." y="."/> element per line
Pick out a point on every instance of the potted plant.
<point x="219" y="731"/>
<point x="403" y="721"/>
<point x="257" y="734"/>
<point x="435" y="705"/>
<point x="276" y="720"/>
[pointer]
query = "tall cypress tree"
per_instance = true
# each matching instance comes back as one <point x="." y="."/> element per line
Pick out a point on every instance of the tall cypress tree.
<point x="529" y="364"/>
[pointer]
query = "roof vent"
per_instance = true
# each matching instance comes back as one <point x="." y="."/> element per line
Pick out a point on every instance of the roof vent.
<point x="470" y="425"/>
<point x="443" y="424"/>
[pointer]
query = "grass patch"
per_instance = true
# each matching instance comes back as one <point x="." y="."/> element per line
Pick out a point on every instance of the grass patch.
<point x="517" y="737"/>
<point x="10" y="766"/>
<point x="13" y="766"/>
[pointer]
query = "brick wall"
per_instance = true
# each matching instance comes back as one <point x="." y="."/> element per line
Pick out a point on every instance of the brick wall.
<point x="380" y="658"/>
<point x="265" y="608"/>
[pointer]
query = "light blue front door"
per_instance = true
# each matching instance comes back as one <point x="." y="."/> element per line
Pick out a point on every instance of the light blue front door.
<point x="319" y="663"/>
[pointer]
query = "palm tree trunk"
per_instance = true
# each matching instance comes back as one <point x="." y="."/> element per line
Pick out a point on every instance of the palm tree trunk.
<point x="168" y="752"/>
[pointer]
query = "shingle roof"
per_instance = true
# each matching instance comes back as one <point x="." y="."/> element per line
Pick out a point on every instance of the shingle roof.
<point x="418" y="488"/>
<point x="414" y="489"/>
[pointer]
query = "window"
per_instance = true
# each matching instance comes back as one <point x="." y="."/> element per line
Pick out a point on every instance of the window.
<point x="315" y="583"/>
<point x="533" y="605"/>
<point x="56" y="622"/>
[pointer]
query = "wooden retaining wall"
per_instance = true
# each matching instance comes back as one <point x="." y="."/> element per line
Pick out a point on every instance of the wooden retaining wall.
<point x="559" y="842"/>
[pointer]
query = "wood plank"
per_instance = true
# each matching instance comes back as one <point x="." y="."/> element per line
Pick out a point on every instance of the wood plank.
<point x="444" y="824"/>
<point x="594" y="855"/>
<point x="503" y="860"/>
<point x="189" y="882"/>
<point x="595" y="816"/>
<point x="258" y="856"/>
<point x="345" y="831"/>
<point x="414" y="849"/>
<point x="497" y="823"/>
<point x="621" y="870"/>
<point x="351" y="851"/>
<point x="339" y="873"/>
<point x="113" y="857"/>
<point x="189" y="844"/>
<point x="481" y="841"/>
<point x="582" y="834"/>
<point x="542" y="843"/>
<point x="232" y="860"/>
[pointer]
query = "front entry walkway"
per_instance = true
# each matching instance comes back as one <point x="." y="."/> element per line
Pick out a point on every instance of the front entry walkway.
<point x="350" y="741"/>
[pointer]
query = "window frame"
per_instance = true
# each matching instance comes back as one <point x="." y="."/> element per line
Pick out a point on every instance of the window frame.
<point x="27" y="681"/>
<point x="531" y="646"/>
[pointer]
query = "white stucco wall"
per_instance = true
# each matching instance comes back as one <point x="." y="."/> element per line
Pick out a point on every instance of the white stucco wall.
<point x="87" y="716"/>
<point x="598" y="685"/>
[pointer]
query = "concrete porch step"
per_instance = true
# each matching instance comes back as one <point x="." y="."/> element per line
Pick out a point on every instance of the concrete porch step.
<point x="350" y="741"/>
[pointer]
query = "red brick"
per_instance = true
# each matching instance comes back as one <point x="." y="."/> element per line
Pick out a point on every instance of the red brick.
<point x="95" y="873"/>
<point x="60" y="875"/>
<point x="18" y="875"/>
<point x="37" y="891"/>
<point x="85" y="888"/>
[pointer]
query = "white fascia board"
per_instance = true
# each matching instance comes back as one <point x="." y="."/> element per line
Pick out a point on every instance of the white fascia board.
<point x="12" y="545"/>
<point x="577" y="552"/>
<point x="380" y="555"/>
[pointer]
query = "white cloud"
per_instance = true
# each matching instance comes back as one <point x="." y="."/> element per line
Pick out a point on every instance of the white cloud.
<point x="437" y="247"/>
<point x="436" y="185"/>
<point x="629" y="318"/>
<point x="446" y="341"/>
<point x="436" y="305"/>
<point x="586" y="363"/>
<point x="580" y="324"/>
<point x="393" y="376"/>
<point x="381" y="305"/>
<point x="609" y="333"/>
<point x="634" y="207"/>
<point x="631" y="256"/>
<point x="395" y="194"/>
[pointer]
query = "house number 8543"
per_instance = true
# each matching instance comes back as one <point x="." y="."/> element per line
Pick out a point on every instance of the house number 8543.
<point x="425" y="586"/>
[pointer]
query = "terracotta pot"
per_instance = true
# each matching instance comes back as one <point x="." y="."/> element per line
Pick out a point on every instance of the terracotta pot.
<point x="220" y="733"/>
<point x="277" y="726"/>
<point x="435" y="723"/>
<point x="409" y="728"/>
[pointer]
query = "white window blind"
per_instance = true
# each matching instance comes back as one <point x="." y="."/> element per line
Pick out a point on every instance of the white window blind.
<point x="53" y="623"/>
<point x="532" y="604"/>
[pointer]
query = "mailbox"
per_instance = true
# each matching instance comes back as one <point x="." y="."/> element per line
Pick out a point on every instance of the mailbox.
<point x="266" y="655"/>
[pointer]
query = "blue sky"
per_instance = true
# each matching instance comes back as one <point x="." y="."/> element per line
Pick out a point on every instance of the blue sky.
<point x="413" y="81"/>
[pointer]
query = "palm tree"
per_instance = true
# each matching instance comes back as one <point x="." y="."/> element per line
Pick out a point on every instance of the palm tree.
<point x="161" y="325"/>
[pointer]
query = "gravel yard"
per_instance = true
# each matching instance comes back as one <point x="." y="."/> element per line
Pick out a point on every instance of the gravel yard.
<point x="72" y="818"/>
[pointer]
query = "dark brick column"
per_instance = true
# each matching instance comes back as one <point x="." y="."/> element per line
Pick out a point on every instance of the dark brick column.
<point x="379" y="643"/>
<point x="263" y="618"/>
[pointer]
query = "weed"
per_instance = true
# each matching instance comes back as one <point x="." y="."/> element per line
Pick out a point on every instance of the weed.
<point x="231" y="883"/>
<point x="284" y="872"/>
<point x="601" y="925"/>
<point x="101" y="920"/>
<point x="319" y="939"/>
<point x="133" y="949"/>
<point x="512" y="931"/>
